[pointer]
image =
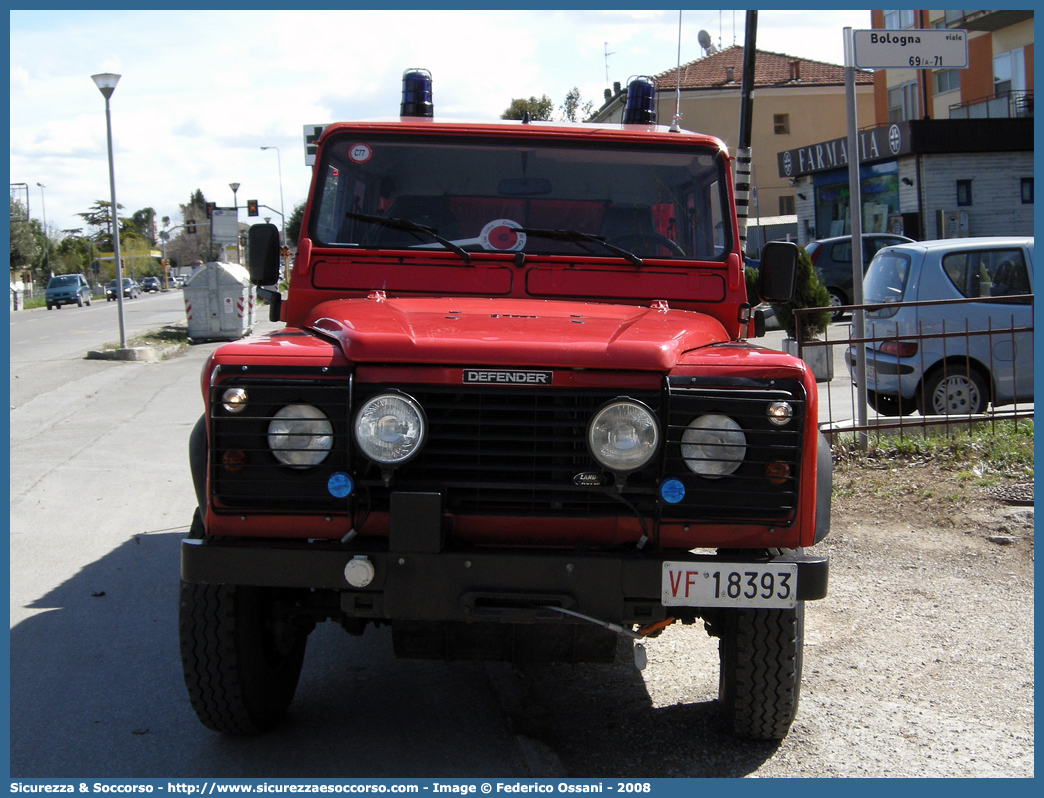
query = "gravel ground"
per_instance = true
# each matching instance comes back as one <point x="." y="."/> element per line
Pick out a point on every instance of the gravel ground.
<point x="919" y="663"/>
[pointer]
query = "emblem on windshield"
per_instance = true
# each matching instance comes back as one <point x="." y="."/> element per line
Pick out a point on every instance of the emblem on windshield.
<point x="502" y="235"/>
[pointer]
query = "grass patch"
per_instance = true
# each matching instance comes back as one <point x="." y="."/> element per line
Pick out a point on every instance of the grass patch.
<point x="1003" y="448"/>
<point x="172" y="339"/>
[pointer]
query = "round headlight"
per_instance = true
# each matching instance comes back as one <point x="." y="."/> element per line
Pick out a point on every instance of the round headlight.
<point x="713" y="446"/>
<point x="390" y="428"/>
<point x="623" y="436"/>
<point x="300" y="436"/>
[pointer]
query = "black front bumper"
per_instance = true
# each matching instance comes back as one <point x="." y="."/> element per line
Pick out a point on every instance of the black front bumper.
<point x="513" y="586"/>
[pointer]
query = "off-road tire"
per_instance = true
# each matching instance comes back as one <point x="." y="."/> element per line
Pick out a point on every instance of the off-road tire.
<point x="240" y="659"/>
<point x="760" y="653"/>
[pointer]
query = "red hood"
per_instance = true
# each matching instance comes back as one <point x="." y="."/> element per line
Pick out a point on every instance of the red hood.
<point x="521" y="332"/>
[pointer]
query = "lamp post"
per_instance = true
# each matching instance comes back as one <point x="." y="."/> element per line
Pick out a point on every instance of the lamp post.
<point x="235" y="203"/>
<point x="43" y="208"/>
<point x="282" y="210"/>
<point x="43" y="211"/>
<point x="106" y="83"/>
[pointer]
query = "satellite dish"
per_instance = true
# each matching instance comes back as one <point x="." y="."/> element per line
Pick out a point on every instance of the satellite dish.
<point x="705" y="42"/>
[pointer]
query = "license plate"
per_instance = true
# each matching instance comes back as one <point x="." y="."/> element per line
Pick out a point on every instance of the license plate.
<point x="722" y="584"/>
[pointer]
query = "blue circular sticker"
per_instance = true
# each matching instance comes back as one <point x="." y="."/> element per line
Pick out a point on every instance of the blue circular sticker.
<point x="672" y="491"/>
<point x="340" y="485"/>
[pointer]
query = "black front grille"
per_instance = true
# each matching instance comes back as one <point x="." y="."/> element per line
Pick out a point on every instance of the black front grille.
<point x="510" y="451"/>
<point x="244" y="472"/>
<point x="747" y="494"/>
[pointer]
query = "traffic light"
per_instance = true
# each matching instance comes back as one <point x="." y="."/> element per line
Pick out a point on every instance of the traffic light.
<point x="251" y="207"/>
<point x="210" y="208"/>
<point x="190" y="226"/>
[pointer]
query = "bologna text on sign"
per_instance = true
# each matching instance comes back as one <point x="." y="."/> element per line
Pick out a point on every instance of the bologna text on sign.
<point x="921" y="49"/>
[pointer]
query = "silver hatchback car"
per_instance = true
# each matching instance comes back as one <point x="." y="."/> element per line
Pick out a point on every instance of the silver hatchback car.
<point x="971" y="345"/>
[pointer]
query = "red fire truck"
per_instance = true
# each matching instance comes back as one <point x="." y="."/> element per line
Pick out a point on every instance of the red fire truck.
<point x="513" y="414"/>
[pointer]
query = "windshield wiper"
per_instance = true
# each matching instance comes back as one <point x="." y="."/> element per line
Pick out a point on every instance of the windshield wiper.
<point x="576" y="237"/>
<point x="410" y="227"/>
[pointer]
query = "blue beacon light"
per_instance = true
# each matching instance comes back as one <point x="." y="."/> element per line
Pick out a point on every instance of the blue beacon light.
<point x="641" y="102"/>
<point x="416" y="93"/>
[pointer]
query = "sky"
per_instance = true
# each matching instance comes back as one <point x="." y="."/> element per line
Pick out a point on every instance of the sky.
<point x="202" y="91"/>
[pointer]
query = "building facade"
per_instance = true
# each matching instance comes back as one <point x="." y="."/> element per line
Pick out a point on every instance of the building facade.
<point x="951" y="150"/>
<point x="794" y="101"/>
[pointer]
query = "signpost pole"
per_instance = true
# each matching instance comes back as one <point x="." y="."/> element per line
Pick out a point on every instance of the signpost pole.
<point x="855" y="212"/>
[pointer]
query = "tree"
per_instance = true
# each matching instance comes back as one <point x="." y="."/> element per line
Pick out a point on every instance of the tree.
<point x="25" y="243"/>
<point x="539" y="110"/>
<point x="574" y="109"/>
<point x="186" y="248"/>
<point x="143" y="222"/>
<point x="100" y="215"/>
<point x="293" y="225"/>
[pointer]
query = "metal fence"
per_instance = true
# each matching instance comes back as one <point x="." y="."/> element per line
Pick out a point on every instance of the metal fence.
<point x="832" y="359"/>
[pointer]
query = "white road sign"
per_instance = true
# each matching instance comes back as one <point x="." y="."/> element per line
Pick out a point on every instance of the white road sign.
<point x="224" y="226"/>
<point x="920" y="49"/>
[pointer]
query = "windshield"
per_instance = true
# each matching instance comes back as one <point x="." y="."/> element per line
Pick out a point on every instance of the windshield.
<point x="885" y="282"/>
<point x="64" y="280"/>
<point x="513" y="195"/>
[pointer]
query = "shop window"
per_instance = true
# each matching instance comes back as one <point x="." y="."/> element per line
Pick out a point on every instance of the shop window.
<point x="1027" y="190"/>
<point x="964" y="192"/>
<point x="781" y="124"/>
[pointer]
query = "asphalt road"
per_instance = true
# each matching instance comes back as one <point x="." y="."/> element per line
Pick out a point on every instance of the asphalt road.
<point x="100" y="498"/>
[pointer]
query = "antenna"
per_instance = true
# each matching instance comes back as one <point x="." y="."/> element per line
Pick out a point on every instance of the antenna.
<point x="676" y="123"/>
<point x="704" y="39"/>
<point x="607" y="54"/>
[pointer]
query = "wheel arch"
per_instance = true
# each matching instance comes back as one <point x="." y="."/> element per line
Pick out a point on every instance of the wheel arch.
<point x="197" y="450"/>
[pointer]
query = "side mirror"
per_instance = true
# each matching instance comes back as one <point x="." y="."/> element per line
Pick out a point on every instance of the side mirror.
<point x="263" y="254"/>
<point x="777" y="275"/>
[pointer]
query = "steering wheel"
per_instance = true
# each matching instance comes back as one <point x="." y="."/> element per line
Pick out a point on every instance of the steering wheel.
<point x="645" y="244"/>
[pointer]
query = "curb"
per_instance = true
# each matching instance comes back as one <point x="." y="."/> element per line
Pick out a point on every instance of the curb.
<point x="146" y="354"/>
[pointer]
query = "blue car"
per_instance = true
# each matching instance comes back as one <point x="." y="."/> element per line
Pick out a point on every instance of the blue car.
<point x="67" y="289"/>
<point x="957" y="357"/>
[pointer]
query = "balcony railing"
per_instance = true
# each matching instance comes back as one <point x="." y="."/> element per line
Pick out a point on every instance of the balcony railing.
<point x="1010" y="105"/>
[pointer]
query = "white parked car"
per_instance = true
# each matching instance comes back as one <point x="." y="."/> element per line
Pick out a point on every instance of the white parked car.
<point x="986" y="354"/>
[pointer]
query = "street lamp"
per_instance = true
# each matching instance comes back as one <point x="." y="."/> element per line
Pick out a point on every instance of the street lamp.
<point x="235" y="202"/>
<point x="282" y="210"/>
<point x="43" y="210"/>
<point x="106" y="83"/>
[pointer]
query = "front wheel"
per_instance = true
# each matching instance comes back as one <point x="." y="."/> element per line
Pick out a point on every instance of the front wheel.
<point x="760" y="653"/>
<point x="241" y="653"/>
